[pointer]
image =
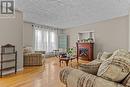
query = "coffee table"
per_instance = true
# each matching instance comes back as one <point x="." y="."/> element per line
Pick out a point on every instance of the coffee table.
<point x="66" y="59"/>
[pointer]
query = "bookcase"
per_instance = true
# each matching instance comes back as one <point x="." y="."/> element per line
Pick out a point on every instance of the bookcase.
<point x="8" y="61"/>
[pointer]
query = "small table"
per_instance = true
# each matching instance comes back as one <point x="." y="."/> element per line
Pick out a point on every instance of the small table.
<point x="66" y="59"/>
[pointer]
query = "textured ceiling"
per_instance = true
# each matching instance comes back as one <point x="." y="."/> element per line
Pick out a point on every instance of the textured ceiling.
<point x="71" y="13"/>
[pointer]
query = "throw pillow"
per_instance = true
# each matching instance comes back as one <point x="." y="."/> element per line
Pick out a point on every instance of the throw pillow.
<point x="115" y="68"/>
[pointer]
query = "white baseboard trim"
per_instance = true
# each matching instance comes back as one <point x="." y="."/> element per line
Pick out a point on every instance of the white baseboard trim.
<point x="20" y="69"/>
<point x="11" y="71"/>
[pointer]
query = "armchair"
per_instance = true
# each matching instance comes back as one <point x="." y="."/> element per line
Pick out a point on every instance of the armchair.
<point x="33" y="58"/>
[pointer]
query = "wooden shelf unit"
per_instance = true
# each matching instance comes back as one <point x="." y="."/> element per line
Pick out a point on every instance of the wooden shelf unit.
<point x="4" y="51"/>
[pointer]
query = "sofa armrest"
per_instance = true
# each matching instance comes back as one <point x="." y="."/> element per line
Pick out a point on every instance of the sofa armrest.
<point x="31" y="59"/>
<point x="77" y="78"/>
<point x="91" y="67"/>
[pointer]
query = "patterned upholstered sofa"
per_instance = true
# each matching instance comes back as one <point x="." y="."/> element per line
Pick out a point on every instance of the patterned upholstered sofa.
<point x="33" y="58"/>
<point x="108" y="70"/>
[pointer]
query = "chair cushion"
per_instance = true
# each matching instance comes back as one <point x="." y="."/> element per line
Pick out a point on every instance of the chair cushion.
<point x="116" y="68"/>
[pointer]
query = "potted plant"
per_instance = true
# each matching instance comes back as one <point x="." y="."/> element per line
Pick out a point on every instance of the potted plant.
<point x="70" y="51"/>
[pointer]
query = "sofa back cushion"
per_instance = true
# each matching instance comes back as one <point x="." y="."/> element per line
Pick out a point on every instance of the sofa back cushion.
<point x="99" y="55"/>
<point x="105" y="55"/>
<point x="27" y="50"/>
<point x="121" y="52"/>
<point x="116" y="68"/>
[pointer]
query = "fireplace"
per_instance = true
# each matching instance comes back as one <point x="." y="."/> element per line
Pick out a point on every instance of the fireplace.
<point x="85" y="51"/>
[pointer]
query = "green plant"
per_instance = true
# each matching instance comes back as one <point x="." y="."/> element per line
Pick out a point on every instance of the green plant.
<point x="90" y="39"/>
<point x="70" y="51"/>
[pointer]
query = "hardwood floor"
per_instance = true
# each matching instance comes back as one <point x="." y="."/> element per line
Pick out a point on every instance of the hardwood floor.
<point x="43" y="76"/>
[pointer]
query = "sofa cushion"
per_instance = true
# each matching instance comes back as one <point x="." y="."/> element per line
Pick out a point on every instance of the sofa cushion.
<point x="78" y="78"/>
<point x="105" y="56"/>
<point x="100" y="82"/>
<point x="116" y="68"/>
<point x="91" y="67"/>
<point x="121" y="52"/>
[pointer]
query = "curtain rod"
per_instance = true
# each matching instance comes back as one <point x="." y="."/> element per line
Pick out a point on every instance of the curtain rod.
<point x="46" y="26"/>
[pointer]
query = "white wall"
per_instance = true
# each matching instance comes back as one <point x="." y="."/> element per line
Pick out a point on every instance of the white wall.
<point x="11" y="31"/>
<point x="27" y="34"/>
<point x="109" y="35"/>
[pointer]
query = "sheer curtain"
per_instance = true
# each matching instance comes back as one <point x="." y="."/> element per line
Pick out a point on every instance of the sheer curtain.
<point x="45" y="38"/>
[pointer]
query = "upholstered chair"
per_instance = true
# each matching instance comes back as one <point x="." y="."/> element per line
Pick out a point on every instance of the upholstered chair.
<point x="33" y="58"/>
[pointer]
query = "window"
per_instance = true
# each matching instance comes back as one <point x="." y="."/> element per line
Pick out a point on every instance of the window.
<point x="38" y="39"/>
<point x="46" y="39"/>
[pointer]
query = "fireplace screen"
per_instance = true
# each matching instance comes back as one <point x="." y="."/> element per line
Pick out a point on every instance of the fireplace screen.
<point x="83" y="52"/>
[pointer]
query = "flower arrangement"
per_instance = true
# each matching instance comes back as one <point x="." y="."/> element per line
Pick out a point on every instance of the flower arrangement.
<point x="89" y="40"/>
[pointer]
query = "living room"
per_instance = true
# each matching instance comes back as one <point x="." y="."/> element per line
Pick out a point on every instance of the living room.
<point x="47" y="35"/>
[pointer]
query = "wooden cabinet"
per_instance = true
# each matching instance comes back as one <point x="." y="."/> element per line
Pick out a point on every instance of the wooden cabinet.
<point x="85" y="51"/>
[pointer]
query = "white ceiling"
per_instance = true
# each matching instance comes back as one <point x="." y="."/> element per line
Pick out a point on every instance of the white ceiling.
<point x="70" y="13"/>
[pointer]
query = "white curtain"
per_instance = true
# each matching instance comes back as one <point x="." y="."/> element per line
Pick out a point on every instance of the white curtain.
<point x="45" y="38"/>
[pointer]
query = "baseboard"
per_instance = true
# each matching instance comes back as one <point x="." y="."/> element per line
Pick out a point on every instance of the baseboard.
<point x="20" y="69"/>
<point x="11" y="71"/>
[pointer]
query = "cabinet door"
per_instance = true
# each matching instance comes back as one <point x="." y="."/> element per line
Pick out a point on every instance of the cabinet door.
<point x="62" y="41"/>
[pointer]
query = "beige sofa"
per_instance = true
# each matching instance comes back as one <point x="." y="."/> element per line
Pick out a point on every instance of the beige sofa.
<point x="108" y="70"/>
<point x="33" y="58"/>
